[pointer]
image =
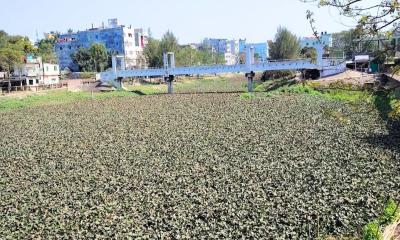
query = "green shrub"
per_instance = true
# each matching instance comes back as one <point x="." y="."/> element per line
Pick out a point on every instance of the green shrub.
<point x="87" y="75"/>
<point x="300" y="89"/>
<point x="344" y="86"/>
<point x="278" y="74"/>
<point x="391" y="213"/>
<point x="372" y="231"/>
<point x="247" y="96"/>
<point x="395" y="113"/>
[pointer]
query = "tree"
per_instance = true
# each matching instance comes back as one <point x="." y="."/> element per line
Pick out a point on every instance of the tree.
<point x="372" y="17"/>
<point x="309" y="52"/>
<point x="10" y="57"/>
<point x="184" y="56"/>
<point x="153" y="53"/>
<point x="3" y="38"/>
<point x="99" y="57"/>
<point x="13" y="49"/>
<point x="46" y="51"/>
<point x="242" y="58"/>
<point x="21" y="44"/>
<point x="187" y="56"/>
<point x="169" y="43"/>
<point x="375" y="23"/>
<point x="83" y="60"/>
<point x="257" y="57"/>
<point x="91" y="59"/>
<point x="285" y="46"/>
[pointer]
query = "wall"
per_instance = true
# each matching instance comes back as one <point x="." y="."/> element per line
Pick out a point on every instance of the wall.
<point x="332" y="70"/>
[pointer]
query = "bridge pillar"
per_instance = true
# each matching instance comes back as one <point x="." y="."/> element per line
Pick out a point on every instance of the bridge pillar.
<point x="250" y="77"/>
<point x="170" y="82"/>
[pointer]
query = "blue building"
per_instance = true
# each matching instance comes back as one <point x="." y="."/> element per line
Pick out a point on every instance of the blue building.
<point x="326" y="40"/>
<point x="232" y="48"/>
<point x="260" y="49"/>
<point x="242" y="45"/>
<point x="218" y="45"/>
<point x="118" y="39"/>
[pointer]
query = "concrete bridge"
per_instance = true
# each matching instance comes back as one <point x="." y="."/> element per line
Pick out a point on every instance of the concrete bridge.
<point x="169" y="71"/>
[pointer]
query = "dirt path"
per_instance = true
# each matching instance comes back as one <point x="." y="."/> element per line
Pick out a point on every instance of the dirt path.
<point x="350" y="76"/>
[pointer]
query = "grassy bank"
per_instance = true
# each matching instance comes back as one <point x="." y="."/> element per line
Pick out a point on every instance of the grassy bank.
<point x="195" y="85"/>
<point x="385" y="102"/>
<point x="54" y="97"/>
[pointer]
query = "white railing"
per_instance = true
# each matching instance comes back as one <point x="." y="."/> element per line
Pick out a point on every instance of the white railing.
<point x="284" y="64"/>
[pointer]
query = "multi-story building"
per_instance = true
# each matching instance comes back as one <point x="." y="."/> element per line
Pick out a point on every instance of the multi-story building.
<point x="232" y="52"/>
<point x="325" y="38"/>
<point x="229" y="48"/>
<point x="242" y="45"/>
<point x="233" y="48"/>
<point x="118" y="39"/>
<point x="218" y="45"/>
<point x="261" y="51"/>
<point x="34" y="72"/>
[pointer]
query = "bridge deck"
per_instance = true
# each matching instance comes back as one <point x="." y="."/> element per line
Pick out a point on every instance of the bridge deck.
<point x="214" y="69"/>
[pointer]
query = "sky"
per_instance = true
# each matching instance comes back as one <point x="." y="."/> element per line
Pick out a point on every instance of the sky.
<point x="190" y="20"/>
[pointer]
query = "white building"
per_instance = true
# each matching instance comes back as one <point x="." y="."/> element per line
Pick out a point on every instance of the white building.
<point x="232" y="52"/>
<point x="34" y="73"/>
<point x="51" y="74"/>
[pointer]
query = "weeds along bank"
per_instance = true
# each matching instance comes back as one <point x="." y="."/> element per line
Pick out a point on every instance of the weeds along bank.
<point x="207" y="165"/>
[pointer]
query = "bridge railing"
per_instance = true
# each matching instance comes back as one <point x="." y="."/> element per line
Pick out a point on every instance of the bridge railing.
<point x="336" y="60"/>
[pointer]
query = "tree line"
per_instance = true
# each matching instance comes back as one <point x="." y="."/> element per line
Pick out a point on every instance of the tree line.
<point x="13" y="50"/>
<point x="184" y="55"/>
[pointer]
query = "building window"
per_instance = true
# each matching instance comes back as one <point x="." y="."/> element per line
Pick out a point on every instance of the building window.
<point x="129" y="34"/>
<point x="47" y="68"/>
<point x="30" y="82"/>
<point x="37" y="81"/>
<point x="55" y="68"/>
<point x="61" y="48"/>
<point x="70" y="47"/>
<point x="136" y="39"/>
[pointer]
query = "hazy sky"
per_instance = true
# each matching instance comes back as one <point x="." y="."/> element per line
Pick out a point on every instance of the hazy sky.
<point x="190" y="20"/>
